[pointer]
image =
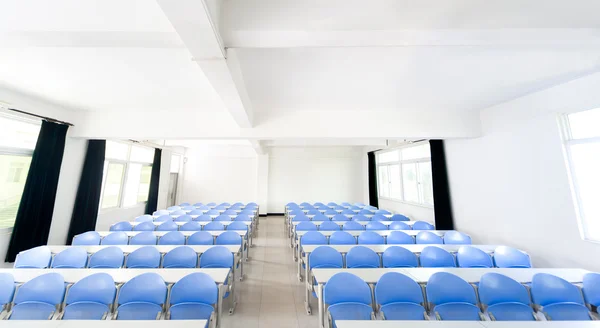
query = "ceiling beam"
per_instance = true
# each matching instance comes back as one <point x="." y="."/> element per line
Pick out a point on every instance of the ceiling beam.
<point x="258" y="147"/>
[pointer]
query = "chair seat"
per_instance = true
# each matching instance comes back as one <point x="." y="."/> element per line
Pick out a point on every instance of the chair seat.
<point x="511" y="312"/>
<point x="138" y="311"/>
<point x="85" y="311"/>
<point x="403" y="311"/>
<point x="32" y="311"/>
<point x="191" y="311"/>
<point x="566" y="311"/>
<point x="458" y="311"/>
<point x="350" y="311"/>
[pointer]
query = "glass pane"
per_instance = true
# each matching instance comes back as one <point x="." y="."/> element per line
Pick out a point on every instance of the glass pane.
<point x="585" y="124"/>
<point x="384" y="189"/>
<point x="421" y="151"/>
<point x="175" y="161"/>
<point x="426" y="182"/>
<point x="144" y="187"/>
<point x="18" y="134"/>
<point x="132" y="184"/>
<point x="112" y="187"/>
<point x="116" y="150"/>
<point x="409" y="177"/>
<point x="13" y="174"/>
<point x="394" y="172"/>
<point x="142" y="154"/>
<point x="586" y="160"/>
<point x="392" y="156"/>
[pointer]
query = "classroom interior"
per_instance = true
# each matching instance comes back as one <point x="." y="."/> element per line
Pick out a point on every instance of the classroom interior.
<point x="302" y="164"/>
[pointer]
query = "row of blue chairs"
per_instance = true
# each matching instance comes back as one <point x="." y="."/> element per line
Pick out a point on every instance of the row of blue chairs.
<point x="149" y="238"/>
<point x="172" y="226"/>
<point x="331" y="205"/>
<point x="355" y="225"/>
<point x="430" y="257"/>
<point x="210" y="206"/>
<point x="213" y="204"/>
<point x="249" y="212"/>
<point x="395" y="237"/>
<point x="448" y="297"/>
<point x="348" y="217"/>
<point x="114" y="258"/>
<point x="97" y="297"/>
<point x="347" y="212"/>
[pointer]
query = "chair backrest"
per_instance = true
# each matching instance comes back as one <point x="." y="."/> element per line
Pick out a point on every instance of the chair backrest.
<point x="145" y="226"/>
<point x="197" y="287"/>
<point x="399" y="257"/>
<point x="436" y="257"/>
<point x="216" y="257"/>
<point x="549" y="289"/>
<point x="367" y="212"/>
<point x="330" y="212"/>
<point x="172" y="238"/>
<point x="167" y="226"/>
<point x="71" y="258"/>
<point x="384" y="212"/>
<point x="183" y="218"/>
<point x="376" y="225"/>
<point x="370" y="238"/>
<point x="325" y="257"/>
<point x="399" y="225"/>
<point x="178" y="212"/>
<point x="331" y="204"/>
<point x="444" y="287"/>
<point x="379" y="217"/>
<point x="394" y="287"/>
<point x="320" y="217"/>
<point x="304" y="204"/>
<point x="591" y="288"/>
<point x="144" y="257"/>
<point x="35" y="258"/>
<point x="230" y="212"/>
<point x="173" y="208"/>
<point x="237" y="225"/>
<point x="352" y="225"/>
<point x="229" y="238"/>
<point x="198" y="204"/>
<point x="313" y="238"/>
<point x="243" y="216"/>
<point x="203" y="217"/>
<point x="329" y="226"/>
<point x="360" y="217"/>
<point x="213" y="212"/>
<point x="508" y="257"/>
<point x="345" y="287"/>
<point x="144" y="218"/>
<point x="200" y="238"/>
<point x="180" y="257"/>
<point x="188" y="207"/>
<point x="87" y="238"/>
<point x="342" y="238"/>
<point x="306" y="226"/>
<point x="472" y="257"/>
<point x="226" y="204"/>
<point x="346" y="204"/>
<point x="161" y="212"/>
<point x="182" y="205"/>
<point x="97" y="288"/>
<point x="211" y="204"/>
<point x="456" y="238"/>
<point x="7" y="288"/>
<point x="223" y="217"/>
<point x="340" y="217"/>
<point x="191" y="226"/>
<point x="314" y="211"/>
<point x="362" y="257"/>
<point x="319" y="204"/>
<point x="399" y="217"/>
<point x="48" y="288"/>
<point x="143" y="238"/>
<point x="115" y="238"/>
<point x="214" y="226"/>
<point x="107" y="258"/>
<point x="428" y="237"/>
<point x="196" y="212"/>
<point x="121" y="226"/>
<point x="422" y="225"/>
<point x="164" y="218"/>
<point x="147" y="287"/>
<point x="400" y="238"/>
<point x="300" y="218"/>
<point x="496" y="288"/>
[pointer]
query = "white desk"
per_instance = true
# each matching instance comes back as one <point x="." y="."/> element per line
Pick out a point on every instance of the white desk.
<point x="104" y="323"/>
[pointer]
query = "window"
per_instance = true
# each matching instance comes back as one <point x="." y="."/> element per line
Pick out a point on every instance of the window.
<point x="127" y="172"/>
<point x="17" y="142"/>
<point x="582" y="144"/>
<point x="405" y="174"/>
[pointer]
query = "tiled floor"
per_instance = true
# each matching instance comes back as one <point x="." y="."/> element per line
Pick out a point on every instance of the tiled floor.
<point x="271" y="295"/>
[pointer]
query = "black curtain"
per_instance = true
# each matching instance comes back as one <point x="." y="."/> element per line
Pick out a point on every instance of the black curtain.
<point x="34" y="216"/>
<point x="87" y="201"/>
<point x="153" y="192"/>
<point x="441" y="187"/>
<point x="373" y="197"/>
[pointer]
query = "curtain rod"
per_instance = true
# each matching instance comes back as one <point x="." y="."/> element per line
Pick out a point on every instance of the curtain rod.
<point x="49" y="119"/>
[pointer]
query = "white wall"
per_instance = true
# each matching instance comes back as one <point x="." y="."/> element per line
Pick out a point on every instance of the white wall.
<point x="414" y="212"/>
<point x="511" y="185"/>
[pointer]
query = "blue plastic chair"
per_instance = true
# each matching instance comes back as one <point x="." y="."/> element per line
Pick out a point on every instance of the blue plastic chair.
<point x="198" y="204"/>
<point x="362" y="257"/>
<point x="399" y="225"/>
<point x="223" y="217"/>
<point x="319" y="204"/>
<point x="304" y="204"/>
<point x="213" y="212"/>
<point x="161" y="212"/>
<point x="237" y="225"/>
<point x="243" y="217"/>
<point x="192" y="297"/>
<point x="187" y="207"/>
<point x="107" y="258"/>
<point x="220" y="208"/>
<point x="376" y="225"/>
<point x="167" y="226"/>
<point x="38" y="298"/>
<point x="330" y="212"/>
<point x="115" y="238"/>
<point x="399" y="217"/>
<point x="196" y="212"/>
<point x="505" y="299"/>
<point x="200" y="238"/>
<point x="143" y="238"/>
<point x="366" y="212"/>
<point x="352" y="226"/>
<point x="330" y="204"/>
<point x="229" y="238"/>
<point x="313" y="238"/>
<point x="173" y="208"/>
<point x="183" y="218"/>
<point x="163" y="218"/>
<point x="172" y="238"/>
<point x="313" y="211"/>
<point x="340" y="217"/>
<point x="142" y="297"/>
<point x="214" y="226"/>
<point x="320" y="217"/>
<point x="379" y="217"/>
<point x="217" y="257"/>
<point x="348" y="212"/>
<point x="144" y="218"/>
<point x="472" y="257"/>
<point x="191" y="226"/>
<point x="349" y="298"/>
<point x="400" y="238"/>
<point x="35" y="258"/>
<point x="180" y="257"/>
<point x="399" y="297"/>
<point x="178" y="213"/>
<point x="428" y="237"/>
<point x="454" y="298"/>
<point x="71" y="258"/>
<point x="456" y="238"/>
<point x="560" y="300"/>
<point x="230" y="212"/>
<point x="203" y="208"/>
<point x="145" y="226"/>
<point x="225" y="204"/>
<point x="346" y="204"/>
<point x="121" y="226"/>
<point x="383" y="212"/>
<point x="211" y="204"/>
<point x="360" y="217"/>
<point x="370" y="238"/>
<point x="399" y="257"/>
<point x="184" y="204"/>
<point x="591" y="288"/>
<point x="341" y="238"/>
<point x="435" y="257"/>
<point x="306" y="226"/>
<point x="300" y="218"/>
<point x="508" y="257"/>
<point x="7" y="289"/>
<point x="90" y="298"/>
<point x="422" y="225"/>
<point x="87" y="238"/>
<point x="147" y="257"/>
<point x="325" y="257"/>
<point x="203" y="217"/>
<point x="329" y="226"/>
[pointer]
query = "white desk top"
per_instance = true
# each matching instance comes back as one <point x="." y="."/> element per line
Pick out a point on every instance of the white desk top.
<point x="119" y="275"/>
<point x="162" y="233"/>
<point x="104" y="323"/>
<point x="412" y="248"/>
<point x="202" y="223"/>
<point x="130" y="248"/>
<point x="380" y="232"/>
<point x="465" y="324"/>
